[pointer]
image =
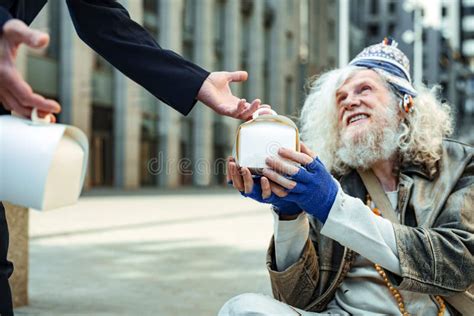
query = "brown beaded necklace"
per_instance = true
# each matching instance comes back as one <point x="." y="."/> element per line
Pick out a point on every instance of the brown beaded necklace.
<point x="395" y="293"/>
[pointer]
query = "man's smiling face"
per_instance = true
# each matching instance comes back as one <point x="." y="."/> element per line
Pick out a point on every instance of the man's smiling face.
<point x="362" y="101"/>
<point x="368" y="119"/>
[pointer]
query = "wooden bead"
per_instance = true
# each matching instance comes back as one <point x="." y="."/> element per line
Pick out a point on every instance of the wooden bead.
<point x="396" y="294"/>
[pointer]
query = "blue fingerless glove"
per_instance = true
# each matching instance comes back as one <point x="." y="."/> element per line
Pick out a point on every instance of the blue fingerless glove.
<point x="280" y="205"/>
<point x="315" y="190"/>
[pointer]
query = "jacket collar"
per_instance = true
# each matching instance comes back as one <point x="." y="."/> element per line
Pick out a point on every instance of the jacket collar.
<point x="419" y="170"/>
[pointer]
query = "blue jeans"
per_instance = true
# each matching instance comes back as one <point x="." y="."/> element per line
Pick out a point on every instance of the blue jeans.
<point x="6" y="267"/>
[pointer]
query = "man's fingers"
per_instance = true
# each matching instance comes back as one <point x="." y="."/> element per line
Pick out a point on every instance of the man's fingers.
<point x="265" y="109"/>
<point x="247" y="114"/>
<point x="241" y="106"/>
<point x="266" y="188"/>
<point x="307" y="151"/>
<point x="255" y="105"/>
<point x="248" y="181"/>
<point x="228" y="175"/>
<point x="281" y="166"/>
<point x="236" y="177"/>
<point x="22" y="91"/>
<point x="43" y="114"/>
<point x="16" y="106"/>
<point x="30" y="99"/>
<point x="279" y="179"/>
<point x="18" y="32"/>
<point x="4" y="104"/>
<point x="237" y="76"/>
<point x="278" y="190"/>
<point x="46" y="105"/>
<point x="295" y="156"/>
<point x="35" y="100"/>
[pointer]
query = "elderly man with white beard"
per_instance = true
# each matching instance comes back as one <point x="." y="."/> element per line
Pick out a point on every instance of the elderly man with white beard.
<point x="334" y="250"/>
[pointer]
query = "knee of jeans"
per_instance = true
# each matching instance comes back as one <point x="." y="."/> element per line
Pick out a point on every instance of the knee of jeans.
<point x="247" y="304"/>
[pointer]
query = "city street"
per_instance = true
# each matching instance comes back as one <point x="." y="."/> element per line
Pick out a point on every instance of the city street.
<point x="147" y="254"/>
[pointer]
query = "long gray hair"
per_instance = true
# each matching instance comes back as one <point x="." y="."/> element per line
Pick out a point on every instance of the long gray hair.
<point x="421" y="131"/>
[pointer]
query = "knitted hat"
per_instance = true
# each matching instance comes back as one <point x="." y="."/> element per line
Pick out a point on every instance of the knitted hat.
<point x="390" y="62"/>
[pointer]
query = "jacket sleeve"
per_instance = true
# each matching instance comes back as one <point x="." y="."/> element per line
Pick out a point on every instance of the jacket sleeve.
<point x="297" y="285"/>
<point x="4" y="17"/>
<point x="444" y="261"/>
<point x="106" y="27"/>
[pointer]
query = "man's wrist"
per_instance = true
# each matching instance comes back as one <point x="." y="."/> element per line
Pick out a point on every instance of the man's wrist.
<point x="285" y="217"/>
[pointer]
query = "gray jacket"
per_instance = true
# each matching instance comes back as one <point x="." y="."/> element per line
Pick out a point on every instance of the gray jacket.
<point x="435" y="241"/>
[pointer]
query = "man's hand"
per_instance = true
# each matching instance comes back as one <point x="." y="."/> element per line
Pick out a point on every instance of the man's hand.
<point x="215" y="93"/>
<point x="15" y="94"/>
<point x="311" y="186"/>
<point x="259" y="189"/>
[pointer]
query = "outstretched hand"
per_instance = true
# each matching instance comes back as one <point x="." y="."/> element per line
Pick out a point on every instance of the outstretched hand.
<point x="215" y="93"/>
<point x="15" y="94"/>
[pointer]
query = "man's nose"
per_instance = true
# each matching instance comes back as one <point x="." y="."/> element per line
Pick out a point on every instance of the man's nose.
<point x="351" y="101"/>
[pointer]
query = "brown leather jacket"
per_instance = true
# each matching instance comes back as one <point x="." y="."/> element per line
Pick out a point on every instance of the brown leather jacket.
<point x="435" y="241"/>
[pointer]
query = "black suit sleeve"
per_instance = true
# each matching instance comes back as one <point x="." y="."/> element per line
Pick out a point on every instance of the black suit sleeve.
<point x="4" y="17"/>
<point x="106" y="27"/>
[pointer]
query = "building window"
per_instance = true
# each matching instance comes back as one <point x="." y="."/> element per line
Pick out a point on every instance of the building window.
<point x="53" y="28"/>
<point x="245" y="47"/>
<point x="189" y="20"/>
<point x="102" y="146"/>
<point x="246" y="6"/>
<point x="373" y="30"/>
<point x="392" y="7"/>
<point x="219" y="34"/>
<point x="289" y="106"/>
<point x="101" y="65"/>
<point x="185" y="167"/>
<point x="444" y="11"/>
<point x="374" y="7"/>
<point x="290" y="44"/>
<point x="151" y="5"/>
<point x="468" y="35"/>
<point x="331" y="29"/>
<point x="266" y="62"/>
<point x="221" y="150"/>
<point x="149" y="144"/>
<point x="151" y="18"/>
<point x="467" y="11"/>
<point x="391" y="29"/>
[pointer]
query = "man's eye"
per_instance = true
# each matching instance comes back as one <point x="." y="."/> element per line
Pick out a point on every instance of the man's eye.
<point x="365" y="88"/>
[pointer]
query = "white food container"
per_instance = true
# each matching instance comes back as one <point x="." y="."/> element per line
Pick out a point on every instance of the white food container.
<point x="42" y="165"/>
<point x="261" y="137"/>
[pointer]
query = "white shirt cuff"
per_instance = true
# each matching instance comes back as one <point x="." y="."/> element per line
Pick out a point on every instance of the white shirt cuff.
<point x="290" y="238"/>
<point x="354" y="225"/>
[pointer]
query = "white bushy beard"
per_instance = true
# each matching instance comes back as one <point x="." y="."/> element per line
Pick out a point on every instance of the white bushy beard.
<point x="375" y="142"/>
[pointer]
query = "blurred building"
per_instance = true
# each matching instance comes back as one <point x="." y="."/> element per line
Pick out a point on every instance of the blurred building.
<point x="138" y="141"/>
<point x="466" y="111"/>
<point x="447" y="45"/>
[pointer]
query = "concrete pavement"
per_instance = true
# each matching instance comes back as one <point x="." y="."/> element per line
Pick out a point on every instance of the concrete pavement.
<point x="147" y="254"/>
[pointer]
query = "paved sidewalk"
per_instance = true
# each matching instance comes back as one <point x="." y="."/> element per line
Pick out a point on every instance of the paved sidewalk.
<point x="147" y="254"/>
